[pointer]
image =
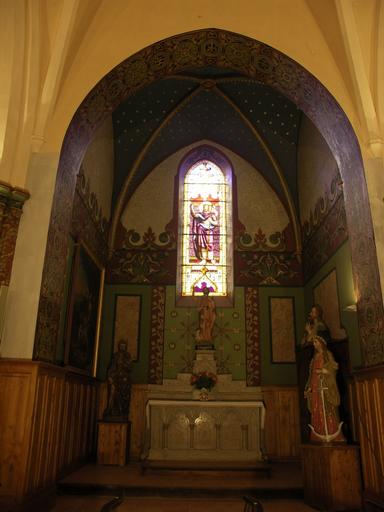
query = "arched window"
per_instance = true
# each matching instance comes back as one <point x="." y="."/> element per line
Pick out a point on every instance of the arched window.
<point x="205" y="229"/>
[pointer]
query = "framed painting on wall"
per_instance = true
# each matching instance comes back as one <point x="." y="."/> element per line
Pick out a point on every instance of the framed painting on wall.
<point x="127" y="323"/>
<point x="84" y="311"/>
<point x="283" y="329"/>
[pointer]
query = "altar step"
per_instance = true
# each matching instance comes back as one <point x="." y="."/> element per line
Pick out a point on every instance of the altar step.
<point x="129" y="481"/>
<point x="259" y="469"/>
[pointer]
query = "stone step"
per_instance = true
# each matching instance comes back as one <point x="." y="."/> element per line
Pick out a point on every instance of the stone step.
<point x="262" y="469"/>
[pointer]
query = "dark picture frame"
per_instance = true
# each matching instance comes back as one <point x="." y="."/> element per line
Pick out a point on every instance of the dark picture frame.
<point x="84" y="311"/>
<point x="126" y="324"/>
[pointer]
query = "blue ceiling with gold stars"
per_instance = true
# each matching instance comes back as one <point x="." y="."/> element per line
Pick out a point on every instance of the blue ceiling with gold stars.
<point x="236" y="112"/>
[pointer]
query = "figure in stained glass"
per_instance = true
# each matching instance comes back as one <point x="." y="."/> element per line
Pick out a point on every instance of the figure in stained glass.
<point x="204" y="221"/>
<point x="204" y="229"/>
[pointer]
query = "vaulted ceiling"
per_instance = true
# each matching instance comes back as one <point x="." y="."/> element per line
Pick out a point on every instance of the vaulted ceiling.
<point x="251" y="119"/>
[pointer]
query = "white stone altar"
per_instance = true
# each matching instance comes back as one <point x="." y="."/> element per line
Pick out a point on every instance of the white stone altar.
<point x="205" y="431"/>
<point x="227" y="426"/>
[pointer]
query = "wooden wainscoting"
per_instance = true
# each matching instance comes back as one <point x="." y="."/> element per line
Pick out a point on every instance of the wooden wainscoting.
<point x="139" y="397"/>
<point x="367" y="396"/>
<point x="48" y="418"/>
<point x="282" y="431"/>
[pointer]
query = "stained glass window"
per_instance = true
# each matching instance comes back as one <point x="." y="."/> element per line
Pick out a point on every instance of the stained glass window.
<point x="204" y="230"/>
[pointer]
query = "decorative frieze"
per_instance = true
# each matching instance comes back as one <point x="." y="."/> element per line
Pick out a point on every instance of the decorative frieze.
<point x="146" y="258"/>
<point x="253" y="336"/>
<point x="156" y="343"/>
<point x="325" y="241"/>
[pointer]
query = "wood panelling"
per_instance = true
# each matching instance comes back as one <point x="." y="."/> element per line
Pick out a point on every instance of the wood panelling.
<point x="282" y="433"/>
<point x="112" y="443"/>
<point x="139" y="399"/>
<point x="331" y="476"/>
<point x="16" y="409"/>
<point x="48" y="417"/>
<point x="367" y="394"/>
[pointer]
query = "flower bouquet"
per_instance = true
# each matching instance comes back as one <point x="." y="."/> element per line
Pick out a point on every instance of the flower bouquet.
<point x="203" y="380"/>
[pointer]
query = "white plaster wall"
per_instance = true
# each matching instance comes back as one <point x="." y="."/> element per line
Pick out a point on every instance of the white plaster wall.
<point x="152" y="203"/>
<point x="259" y="205"/>
<point x="23" y="296"/>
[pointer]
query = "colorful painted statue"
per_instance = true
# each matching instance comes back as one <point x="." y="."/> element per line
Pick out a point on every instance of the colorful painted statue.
<point x="323" y="398"/>
<point x="207" y="317"/>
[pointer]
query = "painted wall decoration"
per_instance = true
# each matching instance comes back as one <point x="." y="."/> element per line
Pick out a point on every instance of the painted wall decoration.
<point x="156" y="342"/>
<point x="317" y="175"/>
<point x="127" y="323"/>
<point x="91" y="203"/>
<point x="322" y="207"/>
<point x="283" y="332"/>
<point x="327" y="238"/>
<point x="262" y="259"/>
<point x="326" y="294"/>
<point x="82" y="331"/>
<point x="150" y="258"/>
<point x="98" y="168"/>
<point x="252" y="336"/>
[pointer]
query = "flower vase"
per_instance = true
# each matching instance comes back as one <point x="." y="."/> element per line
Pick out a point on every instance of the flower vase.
<point x="204" y="394"/>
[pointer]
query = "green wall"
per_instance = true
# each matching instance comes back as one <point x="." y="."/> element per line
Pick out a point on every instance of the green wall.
<point x="179" y="336"/>
<point x="181" y="323"/>
<point x="284" y="374"/>
<point x="341" y="262"/>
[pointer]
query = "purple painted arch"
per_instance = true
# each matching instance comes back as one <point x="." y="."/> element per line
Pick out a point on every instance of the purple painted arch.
<point x="250" y="58"/>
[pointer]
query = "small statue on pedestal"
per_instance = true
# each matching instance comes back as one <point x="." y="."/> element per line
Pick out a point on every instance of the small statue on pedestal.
<point x="119" y="384"/>
<point x="207" y="317"/>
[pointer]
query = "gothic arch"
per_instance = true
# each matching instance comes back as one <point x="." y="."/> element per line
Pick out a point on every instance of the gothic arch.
<point x="219" y="48"/>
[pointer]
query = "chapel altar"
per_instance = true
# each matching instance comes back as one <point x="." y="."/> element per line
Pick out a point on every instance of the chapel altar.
<point x="224" y="424"/>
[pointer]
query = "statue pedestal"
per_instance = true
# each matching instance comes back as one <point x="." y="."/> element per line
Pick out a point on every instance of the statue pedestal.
<point x="331" y="475"/>
<point x="205" y="361"/>
<point x="113" y="441"/>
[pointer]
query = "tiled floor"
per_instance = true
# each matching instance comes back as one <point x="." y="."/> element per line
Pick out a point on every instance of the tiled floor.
<point x="94" y="504"/>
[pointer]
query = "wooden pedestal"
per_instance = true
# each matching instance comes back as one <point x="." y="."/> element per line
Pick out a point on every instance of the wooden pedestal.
<point x="113" y="442"/>
<point x="331" y="476"/>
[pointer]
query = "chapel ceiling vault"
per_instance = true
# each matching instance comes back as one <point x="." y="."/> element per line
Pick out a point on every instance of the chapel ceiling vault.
<point x="251" y="119"/>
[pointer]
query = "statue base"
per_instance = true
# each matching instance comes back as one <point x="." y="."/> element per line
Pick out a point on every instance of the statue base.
<point x="113" y="440"/>
<point x="322" y="467"/>
<point x="205" y="346"/>
<point x="205" y="361"/>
